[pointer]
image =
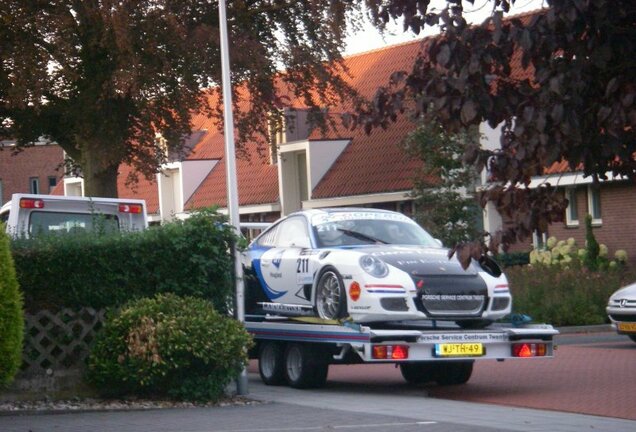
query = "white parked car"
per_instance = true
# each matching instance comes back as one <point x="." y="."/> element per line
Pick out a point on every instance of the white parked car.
<point x="621" y="310"/>
<point x="368" y="265"/>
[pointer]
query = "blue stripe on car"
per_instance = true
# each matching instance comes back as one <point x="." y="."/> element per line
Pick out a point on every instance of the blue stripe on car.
<point x="271" y="293"/>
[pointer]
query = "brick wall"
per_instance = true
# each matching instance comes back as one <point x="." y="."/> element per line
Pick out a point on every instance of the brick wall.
<point x="16" y="170"/>
<point x="618" y="213"/>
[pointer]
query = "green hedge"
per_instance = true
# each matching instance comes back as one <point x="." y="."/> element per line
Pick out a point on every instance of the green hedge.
<point x="564" y="296"/>
<point x="168" y="346"/>
<point x="510" y="259"/>
<point x="11" y="319"/>
<point x="184" y="257"/>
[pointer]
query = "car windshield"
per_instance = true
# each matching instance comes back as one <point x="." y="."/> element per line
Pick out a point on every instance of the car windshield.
<point x="349" y="231"/>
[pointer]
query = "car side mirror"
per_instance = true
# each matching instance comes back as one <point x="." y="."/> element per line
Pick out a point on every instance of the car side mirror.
<point x="439" y="242"/>
<point x="301" y="242"/>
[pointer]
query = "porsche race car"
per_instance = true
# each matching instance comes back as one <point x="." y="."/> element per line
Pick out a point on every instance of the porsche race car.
<point x="367" y="265"/>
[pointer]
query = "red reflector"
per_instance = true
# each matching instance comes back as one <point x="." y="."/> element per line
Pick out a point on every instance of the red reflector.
<point x="400" y="352"/>
<point x="29" y="203"/>
<point x="354" y="291"/>
<point x="419" y="284"/>
<point x="529" y="350"/>
<point x="130" y="208"/>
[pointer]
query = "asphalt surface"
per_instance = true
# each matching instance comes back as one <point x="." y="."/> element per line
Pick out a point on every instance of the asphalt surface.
<point x="371" y="401"/>
<point x="330" y="409"/>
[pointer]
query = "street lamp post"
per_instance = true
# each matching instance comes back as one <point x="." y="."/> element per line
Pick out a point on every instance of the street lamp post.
<point x="232" y="187"/>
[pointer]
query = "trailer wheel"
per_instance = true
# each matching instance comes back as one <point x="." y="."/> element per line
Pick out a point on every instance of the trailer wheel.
<point x="418" y="373"/>
<point x="305" y="366"/>
<point x="453" y="372"/>
<point x="270" y="363"/>
<point x="331" y="297"/>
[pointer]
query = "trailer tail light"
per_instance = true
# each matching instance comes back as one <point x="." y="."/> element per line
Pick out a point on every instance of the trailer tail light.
<point x="30" y="203"/>
<point x="529" y="350"/>
<point x="354" y="291"/>
<point x="390" y="352"/>
<point x="130" y="208"/>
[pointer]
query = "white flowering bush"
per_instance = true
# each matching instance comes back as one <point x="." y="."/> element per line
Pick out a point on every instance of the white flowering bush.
<point x="566" y="253"/>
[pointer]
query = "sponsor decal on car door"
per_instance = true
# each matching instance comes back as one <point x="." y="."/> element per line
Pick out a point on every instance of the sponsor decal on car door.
<point x="279" y="273"/>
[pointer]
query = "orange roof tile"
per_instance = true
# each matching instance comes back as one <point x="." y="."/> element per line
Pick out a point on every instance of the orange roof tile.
<point x="371" y="163"/>
<point x="257" y="183"/>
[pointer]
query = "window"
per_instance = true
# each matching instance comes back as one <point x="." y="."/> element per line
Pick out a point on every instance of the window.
<point x="52" y="183"/>
<point x="572" y="212"/>
<point x="291" y="231"/>
<point x="269" y="237"/>
<point x="42" y="222"/>
<point x="594" y="204"/>
<point x="34" y="185"/>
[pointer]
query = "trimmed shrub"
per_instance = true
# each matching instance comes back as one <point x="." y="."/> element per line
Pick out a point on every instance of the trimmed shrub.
<point x="564" y="296"/>
<point x="510" y="259"/>
<point x="168" y="346"/>
<point x="188" y="258"/>
<point x="11" y="317"/>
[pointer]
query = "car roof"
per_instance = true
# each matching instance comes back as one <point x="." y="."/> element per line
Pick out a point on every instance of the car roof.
<point x="311" y="212"/>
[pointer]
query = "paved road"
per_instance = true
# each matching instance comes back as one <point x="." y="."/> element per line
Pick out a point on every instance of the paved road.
<point x="375" y="398"/>
<point x="590" y="374"/>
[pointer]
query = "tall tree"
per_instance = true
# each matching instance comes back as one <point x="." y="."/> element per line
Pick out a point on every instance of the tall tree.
<point x="103" y="77"/>
<point x="444" y="189"/>
<point x="574" y="103"/>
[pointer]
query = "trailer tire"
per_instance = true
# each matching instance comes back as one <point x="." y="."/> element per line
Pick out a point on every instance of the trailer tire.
<point x="306" y="366"/>
<point x="418" y="372"/>
<point x="271" y="366"/>
<point x="454" y="372"/>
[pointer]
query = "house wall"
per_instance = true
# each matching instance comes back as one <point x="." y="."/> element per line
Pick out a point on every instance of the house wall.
<point x="617" y="231"/>
<point x="41" y="161"/>
<point x="618" y="211"/>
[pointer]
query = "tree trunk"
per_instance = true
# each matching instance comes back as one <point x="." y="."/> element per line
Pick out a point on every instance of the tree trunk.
<point x="100" y="180"/>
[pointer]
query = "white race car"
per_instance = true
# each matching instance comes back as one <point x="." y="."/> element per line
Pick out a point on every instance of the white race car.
<point x="367" y="265"/>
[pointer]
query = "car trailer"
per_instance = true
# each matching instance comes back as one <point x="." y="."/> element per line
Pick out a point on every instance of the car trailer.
<point x="298" y="352"/>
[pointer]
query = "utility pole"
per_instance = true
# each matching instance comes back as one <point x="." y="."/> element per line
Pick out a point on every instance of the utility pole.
<point x="232" y="186"/>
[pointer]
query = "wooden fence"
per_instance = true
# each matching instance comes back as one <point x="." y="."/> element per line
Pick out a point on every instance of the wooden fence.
<point x="60" y="340"/>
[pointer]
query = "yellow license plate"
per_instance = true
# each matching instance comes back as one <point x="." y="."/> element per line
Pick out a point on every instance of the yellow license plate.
<point x="459" y="350"/>
<point x="627" y="327"/>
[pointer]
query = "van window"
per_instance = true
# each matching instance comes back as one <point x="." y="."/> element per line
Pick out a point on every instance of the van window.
<point x="52" y="222"/>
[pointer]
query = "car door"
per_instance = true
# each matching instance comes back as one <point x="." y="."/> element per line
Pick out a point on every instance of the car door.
<point x="285" y="267"/>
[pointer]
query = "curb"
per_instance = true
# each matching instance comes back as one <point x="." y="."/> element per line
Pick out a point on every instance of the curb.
<point x="600" y="328"/>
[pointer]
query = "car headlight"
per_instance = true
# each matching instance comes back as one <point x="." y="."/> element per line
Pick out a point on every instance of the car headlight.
<point x="374" y="266"/>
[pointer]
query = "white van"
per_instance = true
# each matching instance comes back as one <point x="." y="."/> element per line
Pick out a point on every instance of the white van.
<point x="27" y="215"/>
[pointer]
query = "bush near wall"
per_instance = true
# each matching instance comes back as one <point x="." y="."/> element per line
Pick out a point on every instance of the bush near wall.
<point x="89" y="270"/>
<point x="11" y="319"/>
<point x="168" y="346"/>
<point x="565" y="296"/>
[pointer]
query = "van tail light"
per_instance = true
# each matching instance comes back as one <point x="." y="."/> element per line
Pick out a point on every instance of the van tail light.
<point x="529" y="350"/>
<point x="130" y="208"/>
<point x="390" y="352"/>
<point x="30" y="203"/>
